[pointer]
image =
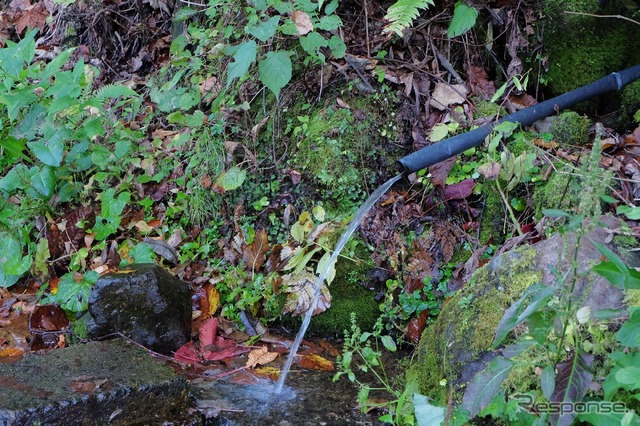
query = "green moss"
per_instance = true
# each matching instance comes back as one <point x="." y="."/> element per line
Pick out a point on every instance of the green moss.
<point x="570" y="128"/>
<point x="630" y="98"/>
<point x="493" y="216"/>
<point x="467" y="323"/>
<point x="347" y="296"/>
<point x="486" y="109"/>
<point x="582" y="49"/>
<point x="557" y="193"/>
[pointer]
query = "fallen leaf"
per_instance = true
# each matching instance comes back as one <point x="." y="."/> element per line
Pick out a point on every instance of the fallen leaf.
<point x="300" y="289"/>
<point x="460" y="190"/>
<point x="440" y="171"/>
<point x="316" y="362"/>
<point x="260" y="356"/>
<point x="254" y="253"/>
<point x="271" y="373"/>
<point x="445" y="95"/>
<point x="302" y="21"/>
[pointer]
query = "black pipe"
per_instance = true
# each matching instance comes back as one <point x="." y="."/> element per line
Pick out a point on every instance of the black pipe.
<point x="455" y="145"/>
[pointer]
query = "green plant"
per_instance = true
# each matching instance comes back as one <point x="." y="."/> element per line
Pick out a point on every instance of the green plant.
<point x="362" y="353"/>
<point x="561" y="332"/>
<point x="464" y="18"/>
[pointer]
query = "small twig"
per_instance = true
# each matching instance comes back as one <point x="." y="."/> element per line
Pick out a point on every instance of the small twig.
<point x="446" y="65"/>
<point x="624" y="18"/>
<point x="366" y="28"/>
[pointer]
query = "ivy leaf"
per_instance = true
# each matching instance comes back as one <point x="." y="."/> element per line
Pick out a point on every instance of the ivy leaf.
<point x="244" y="56"/>
<point x="275" y="70"/>
<point x="485" y="385"/>
<point x="464" y="18"/>
<point x="142" y="253"/>
<point x="265" y="29"/>
<point x="74" y="290"/>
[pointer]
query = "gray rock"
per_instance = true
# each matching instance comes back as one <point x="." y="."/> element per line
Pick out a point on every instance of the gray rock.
<point x="111" y="382"/>
<point x="145" y="303"/>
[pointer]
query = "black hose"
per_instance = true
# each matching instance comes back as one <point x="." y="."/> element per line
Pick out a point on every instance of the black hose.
<point x="455" y="145"/>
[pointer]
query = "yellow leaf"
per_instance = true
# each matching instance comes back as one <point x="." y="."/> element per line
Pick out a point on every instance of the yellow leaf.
<point x="214" y="300"/>
<point x="260" y="356"/>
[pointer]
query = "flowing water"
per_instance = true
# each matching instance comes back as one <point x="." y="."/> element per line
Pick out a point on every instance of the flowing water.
<point x="317" y="286"/>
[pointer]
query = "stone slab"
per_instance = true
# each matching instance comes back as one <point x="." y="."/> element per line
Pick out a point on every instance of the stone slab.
<point x="108" y="382"/>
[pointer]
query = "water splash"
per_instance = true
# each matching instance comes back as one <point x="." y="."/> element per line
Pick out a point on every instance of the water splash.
<point x="317" y="285"/>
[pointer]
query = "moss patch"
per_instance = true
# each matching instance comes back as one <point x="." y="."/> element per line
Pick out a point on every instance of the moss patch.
<point x="466" y="326"/>
<point x="570" y="128"/>
<point x="493" y="216"/>
<point x="557" y="193"/>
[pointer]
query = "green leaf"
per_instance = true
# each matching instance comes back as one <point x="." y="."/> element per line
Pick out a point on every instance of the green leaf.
<point x="311" y="43"/>
<point x="323" y="264"/>
<point x="231" y="179"/>
<point x="632" y="213"/>
<point x="536" y="295"/>
<point x="13" y="262"/>
<point x="264" y="30"/>
<point x="49" y="153"/>
<point x="548" y="381"/>
<point x="629" y="334"/>
<point x="14" y="56"/>
<point x="402" y="13"/>
<point x="629" y="376"/>
<point x="40" y="267"/>
<point x="329" y="23"/>
<point x="615" y="270"/>
<point x="244" y="56"/>
<point x="142" y="253"/>
<point x="14" y="148"/>
<point x="74" y="291"/>
<point x="388" y="343"/>
<point x="464" y="18"/>
<point x="275" y="70"/>
<point x="427" y="414"/>
<point x="555" y="213"/>
<point x="56" y="64"/>
<point x="43" y="181"/>
<point x="337" y="46"/>
<point x="604" y="417"/>
<point x="485" y="385"/>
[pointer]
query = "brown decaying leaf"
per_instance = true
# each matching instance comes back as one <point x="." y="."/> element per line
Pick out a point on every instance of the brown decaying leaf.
<point x="445" y="95"/>
<point x="254" y="253"/>
<point x="86" y="384"/>
<point x="260" y="356"/>
<point x="460" y="190"/>
<point x="300" y="289"/>
<point x="48" y="318"/>
<point x="32" y="17"/>
<point x="416" y="327"/>
<point x="302" y="21"/>
<point x="316" y="362"/>
<point x="440" y="171"/>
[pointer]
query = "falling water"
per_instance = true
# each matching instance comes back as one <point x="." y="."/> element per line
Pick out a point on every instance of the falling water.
<point x="364" y="208"/>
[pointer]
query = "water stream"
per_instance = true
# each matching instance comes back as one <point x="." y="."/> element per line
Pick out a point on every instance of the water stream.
<point x="317" y="285"/>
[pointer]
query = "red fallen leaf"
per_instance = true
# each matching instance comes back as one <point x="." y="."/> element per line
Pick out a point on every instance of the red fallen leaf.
<point x="48" y="318"/>
<point x="230" y="350"/>
<point x="416" y="327"/>
<point x="187" y="353"/>
<point x="459" y="191"/>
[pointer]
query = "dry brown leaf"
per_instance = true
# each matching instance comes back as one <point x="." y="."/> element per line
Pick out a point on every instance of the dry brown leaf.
<point x="254" y="253"/>
<point x="445" y="95"/>
<point x="260" y="356"/>
<point x="316" y="362"/>
<point x="34" y="17"/>
<point x="300" y="289"/>
<point x="302" y="21"/>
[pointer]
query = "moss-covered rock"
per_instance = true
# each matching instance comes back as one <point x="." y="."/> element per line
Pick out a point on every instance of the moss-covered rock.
<point x="559" y="192"/>
<point x="582" y="49"/>
<point x="570" y="128"/>
<point x="457" y="345"/>
<point x="493" y="216"/>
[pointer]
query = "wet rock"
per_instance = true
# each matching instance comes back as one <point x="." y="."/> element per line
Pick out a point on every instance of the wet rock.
<point x="456" y="346"/>
<point x="111" y="382"/>
<point x="145" y="303"/>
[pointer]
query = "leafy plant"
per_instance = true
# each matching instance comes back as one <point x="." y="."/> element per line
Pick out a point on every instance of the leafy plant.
<point x="362" y="353"/>
<point x="402" y="13"/>
<point x="464" y="18"/>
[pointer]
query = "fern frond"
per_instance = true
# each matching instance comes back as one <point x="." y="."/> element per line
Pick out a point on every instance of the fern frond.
<point x="112" y="91"/>
<point x="402" y="14"/>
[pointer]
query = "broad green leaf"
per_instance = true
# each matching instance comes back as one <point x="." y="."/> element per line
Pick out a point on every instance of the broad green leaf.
<point x="632" y="213"/>
<point x="555" y="213"/>
<point x="611" y="385"/>
<point x="485" y="385"/>
<point x="14" y="148"/>
<point x="122" y="148"/>
<point x="438" y="132"/>
<point x="517" y="348"/>
<point x="13" y="263"/>
<point x="604" y="416"/>
<point x="275" y="70"/>
<point x="73" y="295"/>
<point x="312" y="42"/>
<point x="427" y="414"/>
<point x="629" y="333"/>
<point x="548" y="381"/>
<point x="244" y="56"/>
<point x="615" y="270"/>
<point x="231" y="179"/>
<point x="142" y="253"/>
<point x="337" y="46"/>
<point x="14" y="179"/>
<point x="49" y="153"/>
<point x="464" y="18"/>
<point x="388" y="343"/>
<point x="629" y="376"/>
<point x="14" y="56"/>
<point x="264" y="30"/>
<point x="329" y="23"/>
<point x="43" y="180"/>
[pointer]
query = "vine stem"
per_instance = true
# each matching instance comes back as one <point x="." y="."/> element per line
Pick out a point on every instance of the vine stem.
<point x="509" y="209"/>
